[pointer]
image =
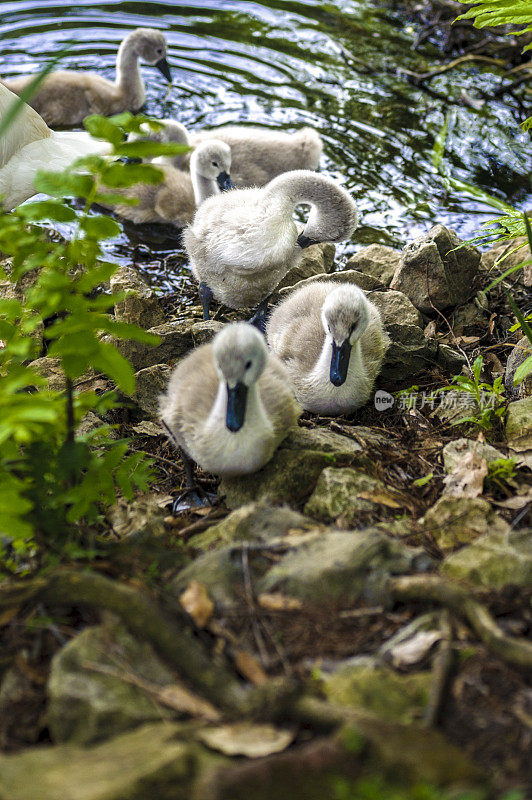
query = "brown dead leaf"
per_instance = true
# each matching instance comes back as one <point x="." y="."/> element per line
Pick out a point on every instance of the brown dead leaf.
<point x="246" y="739"/>
<point x="196" y="602"/>
<point x="467" y="478"/>
<point x="380" y="497"/>
<point x="249" y="668"/>
<point x="181" y="699"/>
<point x="7" y="615"/>
<point x="276" y="601"/>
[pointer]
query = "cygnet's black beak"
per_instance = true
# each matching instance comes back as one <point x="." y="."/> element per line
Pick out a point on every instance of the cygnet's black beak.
<point x="164" y="68"/>
<point x="304" y="241"/>
<point x="224" y="181"/>
<point x="340" y="362"/>
<point x="236" y="406"/>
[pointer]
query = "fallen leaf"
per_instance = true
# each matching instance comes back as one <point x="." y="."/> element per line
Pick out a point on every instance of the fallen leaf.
<point x="249" y="668"/>
<point x="467" y="478"/>
<point x="181" y="699"/>
<point x="276" y="601"/>
<point x="514" y="503"/>
<point x="246" y="739"/>
<point x="380" y="497"/>
<point x="7" y="615"/>
<point x="415" y="649"/>
<point x="196" y="602"/>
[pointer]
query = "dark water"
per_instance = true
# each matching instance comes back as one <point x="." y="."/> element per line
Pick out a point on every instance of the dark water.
<point x="285" y="64"/>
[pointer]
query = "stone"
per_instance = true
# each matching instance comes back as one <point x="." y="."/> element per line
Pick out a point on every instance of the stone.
<point x="511" y="259"/>
<point x="203" y="332"/>
<point x="141" y="306"/>
<point x="519" y="354"/>
<point x="176" y="339"/>
<point x="519" y="430"/>
<point x="409" y="353"/>
<point x="141" y="519"/>
<point x="292" y="473"/>
<point x="148" y="762"/>
<point x="85" y="705"/>
<point x="453" y="521"/>
<point x="337" y="494"/>
<point x="317" y="259"/>
<point x="455" y="450"/>
<point x="150" y="383"/>
<point x="50" y="368"/>
<point x="338" y="566"/>
<point x="395" y="307"/>
<point x="252" y="522"/>
<point x="364" y="683"/>
<point x="220" y="572"/>
<point x="432" y="264"/>
<point x="494" y="561"/>
<point x="360" y="279"/>
<point x="455" y="405"/>
<point x="376" y="260"/>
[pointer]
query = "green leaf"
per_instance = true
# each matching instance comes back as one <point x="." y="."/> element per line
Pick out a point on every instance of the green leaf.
<point x="113" y="364"/>
<point x="47" y="210"/>
<point x="100" y="227"/>
<point x="145" y="149"/>
<point x="522" y="371"/>
<point x="439" y="145"/>
<point x="525" y="327"/>
<point x="424" y="480"/>
<point x="123" y="175"/>
<point x="103" y="128"/>
<point x="62" y="184"/>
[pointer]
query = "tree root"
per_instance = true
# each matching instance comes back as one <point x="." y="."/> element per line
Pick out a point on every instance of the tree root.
<point x="433" y="589"/>
<point x="171" y="635"/>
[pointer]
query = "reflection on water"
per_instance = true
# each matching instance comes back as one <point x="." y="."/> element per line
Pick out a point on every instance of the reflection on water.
<point x="334" y="66"/>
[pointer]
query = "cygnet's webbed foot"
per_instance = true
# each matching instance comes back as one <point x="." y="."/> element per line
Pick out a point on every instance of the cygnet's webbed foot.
<point x="206" y="297"/>
<point x="260" y="317"/>
<point x="192" y="497"/>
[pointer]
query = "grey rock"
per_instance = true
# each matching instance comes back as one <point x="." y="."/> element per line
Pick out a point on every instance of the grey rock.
<point x="85" y="705"/>
<point x="317" y="259"/>
<point x="151" y="382"/>
<point x="338" y="566"/>
<point x="252" y="522"/>
<point x="519" y="430"/>
<point x="292" y="473"/>
<point x="145" y="763"/>
<point x="141" y="306"/>
<point x="141" y="519"/>
<point x="376" y="260"/>
<point x="176" y="339"/>
<point x="50" y="369"/>
<point x="454" y="521"/>
<point x="409" y="354"/>
<point x="360" y="279"/>
<point x="203" y="332"/>
<point x="395" y="307"/>
<point x="337" y="494"/>
<point x="220" y="572"/>
<point x="454" y="451"/>
<point x="433" y="261"/>
<point x="494" y="561"/>
<point x="454" y="405"/>
<point x="519" y="354"/>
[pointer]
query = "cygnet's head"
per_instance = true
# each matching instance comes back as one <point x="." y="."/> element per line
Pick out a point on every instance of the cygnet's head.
<point x="212" y="160"/>
<point x="345" y="317"/>
<point x="333" y="216"/>
<point x="150" y="46"/>
<point x="240" y="355"/>
<point x="171" y="131"/>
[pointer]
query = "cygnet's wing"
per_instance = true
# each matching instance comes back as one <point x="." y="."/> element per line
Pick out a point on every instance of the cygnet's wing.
<point x="295" y="330"/>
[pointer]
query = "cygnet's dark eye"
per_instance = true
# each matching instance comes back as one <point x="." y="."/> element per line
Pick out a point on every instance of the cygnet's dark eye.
<point x="159" y="51"/>
<point x="248" y="364"/>
<point x="214" y="163"/>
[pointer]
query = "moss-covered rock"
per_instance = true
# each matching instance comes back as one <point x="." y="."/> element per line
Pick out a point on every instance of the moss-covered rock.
<point x="86" y="703"/>
<point x="376" y="260"/>
<point x="396" y="307"/>
<point x="338" y="565"/>
<point x="316" y="260"/>
<point x="494" y="561"/>
<point x="141" y="306"/>
<point x="365" y="684"/>
<point x="454" y="451"/>
<point x="454" y="521"/>
<point x="338" y="492"/>
<point x="150" y="383"/>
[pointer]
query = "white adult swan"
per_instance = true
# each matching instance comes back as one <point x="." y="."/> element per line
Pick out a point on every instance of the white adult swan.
<point x="29" y="145"/>
<point x="331" y="339"/>
<point x="229" y="404"/>
<point x="242" y="243"/>
<point x="66" y="97"/>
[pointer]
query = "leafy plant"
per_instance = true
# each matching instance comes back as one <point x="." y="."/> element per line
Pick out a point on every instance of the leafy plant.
<point x="489" y="399"/>
<point x="501" y="469"/>
<point x="53" y="480"/>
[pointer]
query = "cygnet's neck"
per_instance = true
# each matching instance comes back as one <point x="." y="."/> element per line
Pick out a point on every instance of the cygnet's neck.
<point x="128" y="77"/>
<point x="203" y="187"/>
<point x="255" y="420"/>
